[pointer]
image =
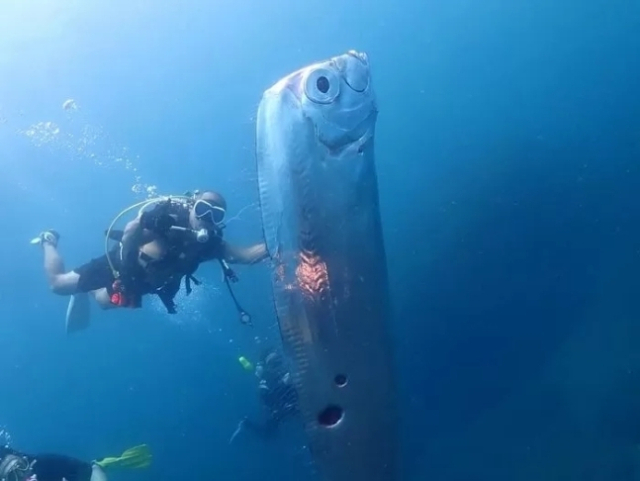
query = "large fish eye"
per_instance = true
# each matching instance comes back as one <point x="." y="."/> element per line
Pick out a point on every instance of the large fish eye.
<point x="322" y="86"/>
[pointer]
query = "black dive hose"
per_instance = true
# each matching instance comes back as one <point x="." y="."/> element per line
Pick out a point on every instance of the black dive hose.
<point x="228" y="273"/>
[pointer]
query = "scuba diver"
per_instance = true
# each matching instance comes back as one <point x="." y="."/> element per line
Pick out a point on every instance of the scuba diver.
<point x="18" y="466"/>
<point x="277" y="394"/>
<point x="155" y="252"/>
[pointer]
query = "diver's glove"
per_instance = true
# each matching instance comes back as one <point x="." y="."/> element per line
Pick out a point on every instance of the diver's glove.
<point x="159" y="223"/>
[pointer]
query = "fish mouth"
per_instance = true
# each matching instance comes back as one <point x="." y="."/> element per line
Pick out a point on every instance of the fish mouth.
<point x="354" y="67"/>
<point x="351" y="143"/>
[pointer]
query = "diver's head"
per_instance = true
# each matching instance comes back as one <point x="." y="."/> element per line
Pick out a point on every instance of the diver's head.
<point x="272" y="361"/>
<point x="208" y="211"/>
<point x="267" y="353"/>
<point x="265" y="362"/>
<point x="151" y="253"/>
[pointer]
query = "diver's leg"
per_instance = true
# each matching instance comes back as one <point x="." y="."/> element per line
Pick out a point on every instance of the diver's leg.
<point x="103" y="298"/>
<point x="97" y="473"/>
<point x="253" y="426"/>
<point x="265" y="430"/>
<point x="60" y="282"/>
<point x="54" y="467"/>
<point x="271" y="426"/>
<point x="94" y="276"/>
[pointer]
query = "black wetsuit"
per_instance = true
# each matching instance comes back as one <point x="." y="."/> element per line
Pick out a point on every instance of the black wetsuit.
<point x="51" y="467"/>
<point x="185" y="255"/>
<point x="185" y="252"/>
<point x="97" y="274"/>
<point x="280" y="399"/>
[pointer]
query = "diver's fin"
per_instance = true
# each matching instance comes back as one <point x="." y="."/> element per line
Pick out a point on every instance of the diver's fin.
<point x="115" y="234"/>
<point x="136" y="457"/>
<point x="78" y="313"/>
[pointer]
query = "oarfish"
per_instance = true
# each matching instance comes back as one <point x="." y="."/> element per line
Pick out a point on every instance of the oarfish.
<point x="322" y="227"/>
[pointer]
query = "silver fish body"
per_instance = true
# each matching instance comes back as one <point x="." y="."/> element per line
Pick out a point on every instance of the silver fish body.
<point x="321" y="221"/>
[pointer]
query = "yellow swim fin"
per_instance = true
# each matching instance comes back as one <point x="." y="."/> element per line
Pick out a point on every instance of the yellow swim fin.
<point x="136" y="457"/>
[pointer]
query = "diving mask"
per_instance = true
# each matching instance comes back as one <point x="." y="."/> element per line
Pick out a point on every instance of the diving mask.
<point x="205" y="210"/>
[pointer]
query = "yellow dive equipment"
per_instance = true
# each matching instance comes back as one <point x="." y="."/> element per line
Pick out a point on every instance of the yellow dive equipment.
<point x="136" y="457"/>
<point x="245" y="363"/>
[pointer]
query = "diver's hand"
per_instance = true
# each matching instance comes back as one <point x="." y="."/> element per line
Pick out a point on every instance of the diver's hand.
<point x="158" y="223"/>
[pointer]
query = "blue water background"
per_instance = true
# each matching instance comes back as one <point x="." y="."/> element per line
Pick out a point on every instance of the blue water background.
<point x="507" y="150"/>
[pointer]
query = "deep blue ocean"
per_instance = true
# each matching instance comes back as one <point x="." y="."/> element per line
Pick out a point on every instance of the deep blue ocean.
<point x="507" y="150"/>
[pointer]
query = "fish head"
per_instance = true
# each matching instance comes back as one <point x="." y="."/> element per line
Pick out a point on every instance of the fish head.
<point x="337" y="98"/>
